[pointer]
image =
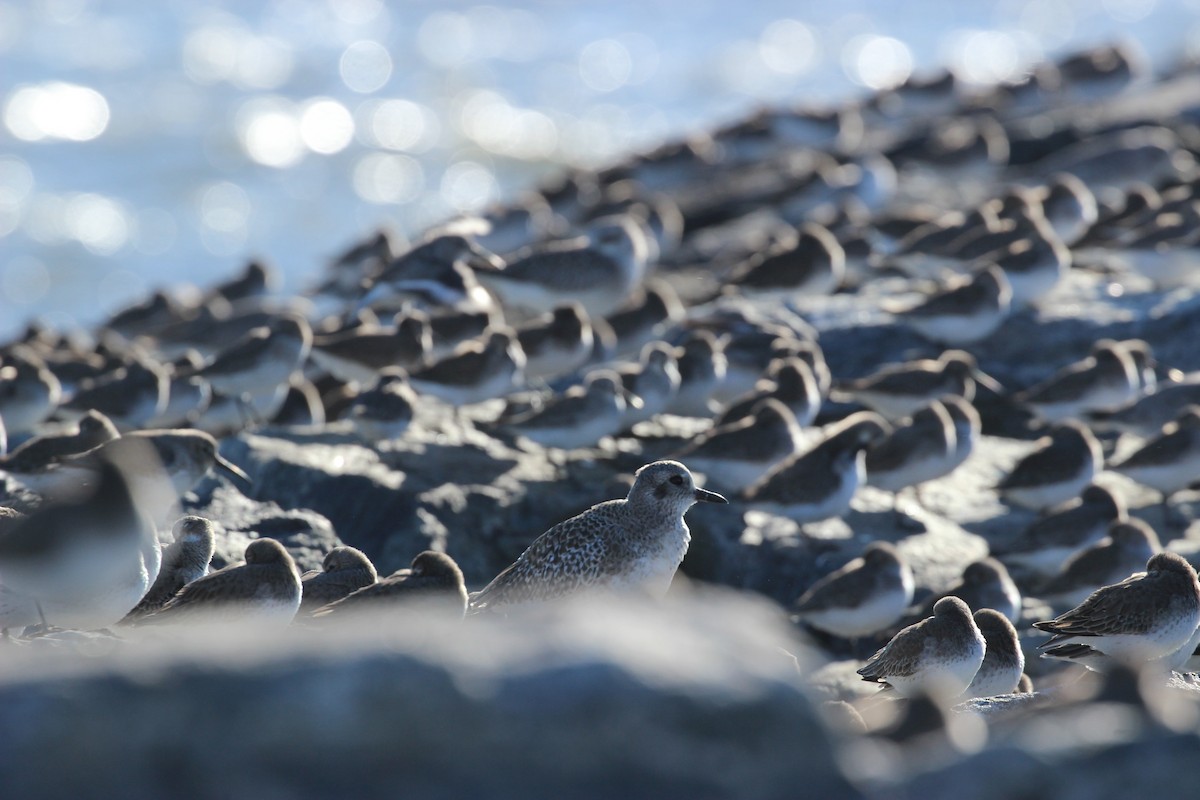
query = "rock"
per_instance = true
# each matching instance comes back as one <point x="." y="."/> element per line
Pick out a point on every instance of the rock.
<point x="595" y="700"/>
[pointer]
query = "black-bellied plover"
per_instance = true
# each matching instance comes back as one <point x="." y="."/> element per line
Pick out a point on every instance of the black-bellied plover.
<point x="476" y="371"/>
<point x="1105" y="380"/>
<point x="556" y="344"/>
<point x="821" y="482"/>
<point x="600" y="271"/>
<point x="86" y="562"/>
<point x="1126" y="549"/>
<point x="433" y="584"/>
<point x="1170" y="462"/>
<point x="899" y="390"/>
<point x="360" y="354"/>
<point x="1062" y="465"/>
<point x="922" y="449"/>
<point x="811" y="265"/>
<point x="343" y="570"/>
<point x="1146" y="617"/>
<point x="861" y="598"/>
<point x="938" y="656"/>
<point x="985" y="584"/>
<point x="635" y="544"/>
<point x="384" y="411"/>
<point x="40" y="452"/>
<point x="1049" y="540"/>
<point x="183" y="561"/>
<point x="963" y="313"/>
<point x="738" y="454"/>
<point x="265" y="590"/>
<point x="580" y="417"/>
<point x="1003" y="662"/>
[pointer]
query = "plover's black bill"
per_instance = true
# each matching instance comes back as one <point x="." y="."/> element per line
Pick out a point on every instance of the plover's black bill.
<point x="705" y="496"/>
<point x="232" y="469"/>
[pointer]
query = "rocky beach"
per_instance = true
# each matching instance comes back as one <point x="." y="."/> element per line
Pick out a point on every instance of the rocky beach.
<point x="1038" y="227"/>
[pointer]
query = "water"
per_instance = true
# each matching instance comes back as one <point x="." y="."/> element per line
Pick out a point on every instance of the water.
<point x="160" y="144"/>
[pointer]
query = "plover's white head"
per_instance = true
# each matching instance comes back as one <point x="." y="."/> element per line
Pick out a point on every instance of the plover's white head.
<point x="668" y="484"/>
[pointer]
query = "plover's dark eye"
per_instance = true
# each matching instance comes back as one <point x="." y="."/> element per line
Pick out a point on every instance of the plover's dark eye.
<point x="677" y="480"/>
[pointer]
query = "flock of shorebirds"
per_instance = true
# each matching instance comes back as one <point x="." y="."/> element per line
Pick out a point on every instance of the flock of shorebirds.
<point x="673" y="285"/>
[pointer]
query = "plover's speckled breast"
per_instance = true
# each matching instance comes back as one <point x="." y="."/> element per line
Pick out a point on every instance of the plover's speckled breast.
<point x="635" y="543"/>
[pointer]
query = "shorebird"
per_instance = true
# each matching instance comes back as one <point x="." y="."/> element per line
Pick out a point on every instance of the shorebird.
<point x="383" y="412"/>
<point x="433" y="584"/>
<point x="185" y="560"/>
<point x="862" y="598"/>
<point x="985" y="584"/>
<point x="1003" y="661"/>
<point x="264" y="590"/>
<point x="962" y="313"/>
<point x="1128" y="545"/>
<point x="1170" y="462"/>
<point x="343" y="570"/>
<point x="476" y="371"/>
<point x="812" y="264"/>
<point x="129" y="396"/>
<point x="702" y="364"/>
<point x="41" y="452"/>
<point x="600" y="271"/>
<point x="646" y="317"/>
<point x="1145" y="617"/>
<point x="654" y="380"/>
<point x="361" y="353"/>
<point x="821" y="482"/>
<point x="738" y="454"/>
<point x="29" y="392"/>
<point x="85" y="562"/>
<point x="922" y="449"/>
<point x="556" y="344"/>
<point x="1105" y="380"/>
<point x="635" y="544"/>
<point x="899" y="390"/>
<point x="938" y="656"/>
<point x="580" y="417"/>
<point x="788" y="380"/>
<point x="1049" y="540"/>
<point x="1063" y="464"/>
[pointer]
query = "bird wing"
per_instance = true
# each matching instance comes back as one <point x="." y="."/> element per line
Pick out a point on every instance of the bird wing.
<point x="568" y="557"/>
<point x="1125" y="607"/>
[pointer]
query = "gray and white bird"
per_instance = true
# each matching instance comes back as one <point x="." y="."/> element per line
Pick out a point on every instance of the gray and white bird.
<point x="1105" y="380"/>
<point x="383" y="412"/>
<point x="263" y="590"/>
<point x="1127" y="547"/>
<point x="1003" y="662"/>
<point x="1063" y="464"/>
<point x="1051" y="539"/>
<point x="1145" y="617"/>
<point x="921" y="449"/>
<point x="821" y="482"/>
<point x="865" y="596"/>
<point x="433" y="584"/>
<point x="343" y="570"/>
<point x="557" y="343"/>
<point x="477" y="371"/>
<point x="185" y="560"/>
<point x="938" y="656"/>
<point x="634" y="544"/>
<point x="964" y="312"/>
<point x="41" y="452"/>
<point x="738" y="454"/>
<point x="580" y="417"/>
<point x="600" y="271"/>
<point x="899" y="390"/>
<point x="1170" y="462"/>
